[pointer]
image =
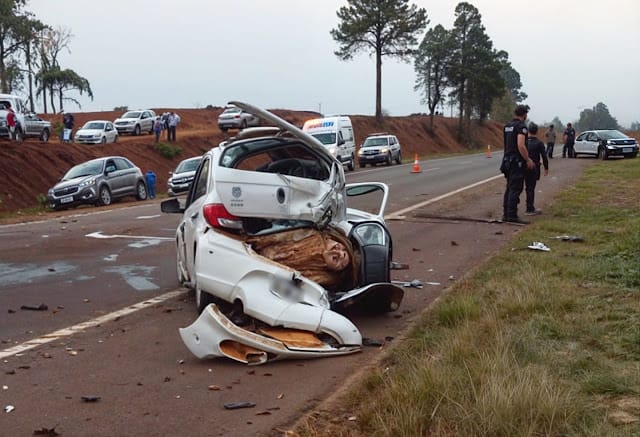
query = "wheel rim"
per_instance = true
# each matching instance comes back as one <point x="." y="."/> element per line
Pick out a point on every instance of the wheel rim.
<point x="137" y="130"/>
<point x="45" y="136"/>
<point x="105" y="196"/>
<point x="142" y="191"/>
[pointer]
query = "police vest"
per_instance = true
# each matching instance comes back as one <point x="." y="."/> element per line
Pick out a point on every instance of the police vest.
<point x="511" y="131"/>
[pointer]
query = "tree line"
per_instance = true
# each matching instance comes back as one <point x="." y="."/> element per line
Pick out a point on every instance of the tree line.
<point x="29" y="58"/>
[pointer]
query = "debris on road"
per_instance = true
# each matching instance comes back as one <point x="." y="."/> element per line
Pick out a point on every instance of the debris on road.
<point x="237" y="405"/>
<point x="9" y="408"/>
<point x="90" y="398"/>
<point x="41" y="307"/>
<point x="372" y="342"/>
<point x="399" y="266"/>
<point x="49" y="432"/>
<point x="416" y="283"/>
<point x="214" y="387"/>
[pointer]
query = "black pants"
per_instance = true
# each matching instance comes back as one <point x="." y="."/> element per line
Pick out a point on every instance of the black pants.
<point x="567" y="150"/>
<point x="550" y="149"/>
<point x="531" y="178"/>
<point x="172" y="133"/>
<point x="515" y="184"/>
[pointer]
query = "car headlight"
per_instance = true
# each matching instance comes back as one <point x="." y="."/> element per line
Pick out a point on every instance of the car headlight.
<point x="360" y="152"/>
<point x="88" y="182"/>
<point x="384" y="150"/>
<point x="333" y="150"/>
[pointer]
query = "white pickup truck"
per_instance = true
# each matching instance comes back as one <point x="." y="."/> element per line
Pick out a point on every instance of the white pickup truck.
<point x="18" y="107"/>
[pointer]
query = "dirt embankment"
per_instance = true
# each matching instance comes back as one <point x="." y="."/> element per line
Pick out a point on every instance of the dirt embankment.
<point x="31" y="168"/>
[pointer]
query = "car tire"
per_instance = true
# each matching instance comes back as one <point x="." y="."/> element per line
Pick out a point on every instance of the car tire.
<point x="389" y="160"/>
<point x="103" y="140"/>
<point x="104" y="196"/>
<point x="399" y="158"/>
<point x="352" y="164"/>
<point x="115" y="139"/>
<point x="136" y="130"/>
<point x="44" y="136"/>
<point x="141" y="191"/>
<point x="602" y="154"/>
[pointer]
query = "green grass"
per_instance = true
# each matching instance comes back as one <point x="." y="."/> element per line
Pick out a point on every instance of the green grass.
<point x="534" y="343"/>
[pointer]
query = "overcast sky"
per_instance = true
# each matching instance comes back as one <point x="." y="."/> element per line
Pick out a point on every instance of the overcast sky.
<point x="571" y="54"/>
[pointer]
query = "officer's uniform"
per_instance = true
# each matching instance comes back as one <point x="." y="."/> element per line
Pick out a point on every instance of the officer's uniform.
<point x="567" y="148"/>
<point x="513" y="166"/>
<point x="536" y="152"/>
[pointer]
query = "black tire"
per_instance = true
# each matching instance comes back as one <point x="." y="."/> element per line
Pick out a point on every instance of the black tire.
<point x="352" y="163"/>
<point x="399" y="158"/>
<point x="103" y="140"/>
<point x="141" y="191"/>
<point x="389" y="160"/>
<point x="115" y="139"/>
<point x="44" y="136"/>
<point x="104" y="196"/>
<point x="136" y="130"/>
<point x="602" y="154"/>
<point x="19" y="135"/>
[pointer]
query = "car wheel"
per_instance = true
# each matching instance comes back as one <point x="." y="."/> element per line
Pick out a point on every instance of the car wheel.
<point x="103" y="140"/>
<point x="104" y="196"/>
<point x="141" y="191"/>
<point x="352" y="163"/>
<point x="388" y="161"/>
<point x="19" y="135"/>
<point x="399" y="158"/>
<point x="115" y="139"/>
<point x="136" y="131"/>
<point x="44" y="136"/>
<point x="602" y="154"/>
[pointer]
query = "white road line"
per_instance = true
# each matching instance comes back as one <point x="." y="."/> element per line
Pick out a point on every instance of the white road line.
<point x="399" y="214"/>
<point x="139" y="237"/>
<point x="80" y="327"/>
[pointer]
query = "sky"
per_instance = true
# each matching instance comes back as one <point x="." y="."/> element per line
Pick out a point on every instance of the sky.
<point x="279" y="54"/>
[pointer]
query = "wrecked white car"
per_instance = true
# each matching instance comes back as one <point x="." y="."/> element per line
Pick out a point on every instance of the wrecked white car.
<point x="274" y="254"/>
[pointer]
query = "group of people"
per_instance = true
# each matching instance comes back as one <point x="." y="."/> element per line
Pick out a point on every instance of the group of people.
<point x="167" y="122"/>
<point x="568" y="138"/>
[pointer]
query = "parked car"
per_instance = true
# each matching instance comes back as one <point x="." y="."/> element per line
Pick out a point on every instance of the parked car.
<point x="181" y="178"/>
<point x="380" y="147"/>
<point x="99" y="182"/>
<point x="605" y="143"/>
<point x="235" y="118"/>
<point x="267" y="237"/>
<point x="35" y="126"/>
<point x="17" y="104"/>
<point x="97" y="132"/>
<point x="136" y="122"/>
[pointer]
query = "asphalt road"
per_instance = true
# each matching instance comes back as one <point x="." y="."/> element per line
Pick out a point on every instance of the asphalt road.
<point x="134" y="361"/>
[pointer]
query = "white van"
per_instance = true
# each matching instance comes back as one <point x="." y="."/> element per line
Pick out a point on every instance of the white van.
<point x="19" y="109"/>
<point x="336" y="133"/>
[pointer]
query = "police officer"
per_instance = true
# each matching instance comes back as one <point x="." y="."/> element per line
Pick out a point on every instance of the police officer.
<point x="569" y="138"/>
<point x="516" y="159"/>
<point x="531" y="177"/>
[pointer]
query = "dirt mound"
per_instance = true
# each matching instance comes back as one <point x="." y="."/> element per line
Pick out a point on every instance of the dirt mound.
<point x="31" y="168"/>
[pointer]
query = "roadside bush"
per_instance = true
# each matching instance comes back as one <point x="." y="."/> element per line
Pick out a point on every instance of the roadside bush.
<point x="42" y="200"/>
<point x="167" y="150"/>
<point x="57" y="129"/>
<point x="121" y="108"/>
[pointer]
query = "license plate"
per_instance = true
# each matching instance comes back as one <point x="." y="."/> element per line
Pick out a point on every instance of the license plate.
<point x="67" y="199"/>
<point x="627" y="150"/>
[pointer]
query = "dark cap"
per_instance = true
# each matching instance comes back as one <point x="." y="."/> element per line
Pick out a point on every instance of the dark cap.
<point x="533" y="128"/>
<point x="521" y="110"/>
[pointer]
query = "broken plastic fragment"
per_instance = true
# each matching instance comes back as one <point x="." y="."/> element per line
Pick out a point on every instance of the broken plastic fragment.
<point x="371" y="342"/>
<point x="9" y="408"/>
<point x="41" y="307"/>
<point x="398" y="266"/>
<point x="576" y="238"/>
<point x="537" y="245"/>
<point x="50" y="432"/>
<point x="237" y="405"/>
<point x="90" y="398"/>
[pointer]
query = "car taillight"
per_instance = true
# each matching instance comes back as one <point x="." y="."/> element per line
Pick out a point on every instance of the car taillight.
<point x="237" y="116"/>
<point x="218" y="217"/>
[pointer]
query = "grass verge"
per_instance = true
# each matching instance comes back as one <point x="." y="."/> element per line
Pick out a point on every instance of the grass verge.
<point x="534" y="343"/>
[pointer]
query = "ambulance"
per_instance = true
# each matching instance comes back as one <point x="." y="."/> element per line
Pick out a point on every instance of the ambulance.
<point x="336" y="134"/>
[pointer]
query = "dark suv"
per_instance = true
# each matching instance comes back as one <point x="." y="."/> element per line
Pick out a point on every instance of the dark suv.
<point x="98" y="181"/>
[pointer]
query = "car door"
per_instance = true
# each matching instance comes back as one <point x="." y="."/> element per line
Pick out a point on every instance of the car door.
<point x="31" y="125"/>
<point x="580" y="145"/>
<point x="592" y="142"/>
<point x="127" y="176"/>
<point x="110" y="132"/>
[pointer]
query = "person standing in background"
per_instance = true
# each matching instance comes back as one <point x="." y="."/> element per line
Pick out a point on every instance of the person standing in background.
<point x="550" y="137"/>
<point x="569" y="139"/>
<point x="174" y="119"/>
<point x="151" y="184"/>
<point x="157" y="128"/>
<point x="535" y="147"/>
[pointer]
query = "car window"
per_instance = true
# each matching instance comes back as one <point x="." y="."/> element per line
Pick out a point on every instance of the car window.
<point x="376" y="141"/>
<point x="200" y="183"/>
<point x="111" y="166"/>
<point x="347" y="134"/>
<point x="592" y="137"/>
<point x="581" y="137"/>
<point x="122" y="164"/>
<point x="612" y="135"/>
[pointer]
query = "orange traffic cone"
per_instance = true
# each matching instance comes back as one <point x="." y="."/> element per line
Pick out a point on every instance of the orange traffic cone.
<point x="416" y="165"/>
<point x="488" y="150"/>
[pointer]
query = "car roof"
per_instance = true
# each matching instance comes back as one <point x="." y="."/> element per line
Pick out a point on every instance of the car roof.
<point x="98" y="121"/>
